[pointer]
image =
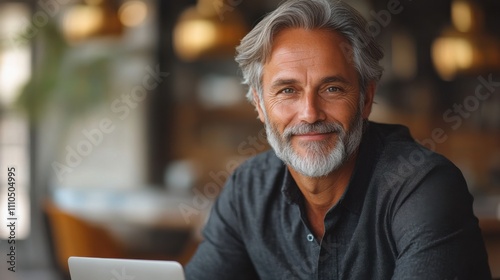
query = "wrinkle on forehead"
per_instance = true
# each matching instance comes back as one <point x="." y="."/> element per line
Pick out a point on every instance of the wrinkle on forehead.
<point x="292" y="57"/>
<point x="300" y="53"/>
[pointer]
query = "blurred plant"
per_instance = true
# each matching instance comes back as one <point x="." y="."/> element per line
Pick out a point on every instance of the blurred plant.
<point x="72" y="79"/>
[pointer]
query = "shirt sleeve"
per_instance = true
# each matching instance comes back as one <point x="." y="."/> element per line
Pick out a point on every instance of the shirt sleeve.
<point x="222" y="253"/>
<point x="435" y="231"/>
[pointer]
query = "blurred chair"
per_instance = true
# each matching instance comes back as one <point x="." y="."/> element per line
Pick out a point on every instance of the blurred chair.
<point x="72" y="236"/>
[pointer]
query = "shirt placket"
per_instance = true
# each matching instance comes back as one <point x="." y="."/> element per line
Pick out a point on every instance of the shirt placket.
<point x="313" y="249"/>
<point x="328" y="261"/>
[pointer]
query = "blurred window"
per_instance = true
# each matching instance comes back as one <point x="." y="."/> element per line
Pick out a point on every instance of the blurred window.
<point x="15" y="70"/>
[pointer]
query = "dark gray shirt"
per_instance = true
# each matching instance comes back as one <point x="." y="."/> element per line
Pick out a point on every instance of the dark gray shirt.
<point x="406" y="214"/>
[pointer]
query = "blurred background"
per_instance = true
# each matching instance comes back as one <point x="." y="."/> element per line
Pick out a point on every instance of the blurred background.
<point x="123" y="118"/>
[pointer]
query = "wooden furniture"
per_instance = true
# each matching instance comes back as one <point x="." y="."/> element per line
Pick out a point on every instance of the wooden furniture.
<point x="72" y="236"/>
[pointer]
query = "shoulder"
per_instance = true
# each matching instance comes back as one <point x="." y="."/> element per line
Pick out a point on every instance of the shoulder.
<point x="412" y="177"/>
<point x="256" y="179"/>
<point x="416" y="181"/>
<point x="402" y="161"/>
<point x="261" y="170"/>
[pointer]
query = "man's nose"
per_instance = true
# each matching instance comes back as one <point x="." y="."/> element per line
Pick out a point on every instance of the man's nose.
<point x="311" y="108"/>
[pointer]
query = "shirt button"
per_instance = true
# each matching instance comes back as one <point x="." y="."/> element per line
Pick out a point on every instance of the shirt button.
<point x="310" y="237"/>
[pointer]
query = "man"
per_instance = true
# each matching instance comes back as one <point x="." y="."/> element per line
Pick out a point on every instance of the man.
<point x="338" y="197"/>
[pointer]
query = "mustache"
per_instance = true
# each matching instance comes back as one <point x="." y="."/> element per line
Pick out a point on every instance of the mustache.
<point x="318" y="127"/>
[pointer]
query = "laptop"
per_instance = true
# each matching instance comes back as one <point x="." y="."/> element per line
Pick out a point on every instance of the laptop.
<point x="83" y="268"/>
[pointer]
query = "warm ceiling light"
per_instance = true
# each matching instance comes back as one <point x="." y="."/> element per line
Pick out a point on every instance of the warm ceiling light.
<point x="461" y="14"/>
<point x="466" y="16"/>
<point x="464" y="53"/>
<point x="452" y="54"/>
<point x="192" y="37"/>
<point x="200" y="32"/>
<point x="81" y="21"/>
<point x="465" y="48"/>
<point x="97" y="19"/>
<point x="132" y="13"/>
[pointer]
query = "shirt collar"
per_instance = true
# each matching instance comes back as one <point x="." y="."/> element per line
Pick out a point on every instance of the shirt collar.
<point x="290" y="189"/>
<point x="353" y="198"/>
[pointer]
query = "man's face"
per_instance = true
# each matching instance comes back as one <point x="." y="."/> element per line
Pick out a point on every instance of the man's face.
<point x="311" y="102"/>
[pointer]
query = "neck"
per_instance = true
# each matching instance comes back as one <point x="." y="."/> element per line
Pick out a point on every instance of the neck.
<point x="323" y="193"/>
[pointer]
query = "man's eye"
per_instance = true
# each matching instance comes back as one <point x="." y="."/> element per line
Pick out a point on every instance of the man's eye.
<point x="287" y="90"/>
<point x="333" y="89"/>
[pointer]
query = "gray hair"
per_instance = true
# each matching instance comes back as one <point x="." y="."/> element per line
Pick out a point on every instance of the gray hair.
<point x="334" y="15"/>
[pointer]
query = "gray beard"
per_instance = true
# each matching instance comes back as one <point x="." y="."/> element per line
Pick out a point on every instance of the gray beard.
<point x="320" y="159"/>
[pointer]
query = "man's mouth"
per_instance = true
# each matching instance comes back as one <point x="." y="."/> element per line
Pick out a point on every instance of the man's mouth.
<point x="313" y="136"/>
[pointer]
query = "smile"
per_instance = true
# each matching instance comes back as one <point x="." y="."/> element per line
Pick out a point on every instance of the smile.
<point x="313" y="136"/>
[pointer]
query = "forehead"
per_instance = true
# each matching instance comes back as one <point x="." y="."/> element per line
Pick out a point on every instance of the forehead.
<point x="316" y="50"/>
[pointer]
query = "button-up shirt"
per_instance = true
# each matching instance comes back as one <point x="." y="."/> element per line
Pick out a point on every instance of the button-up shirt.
<point x="406" y="214"/>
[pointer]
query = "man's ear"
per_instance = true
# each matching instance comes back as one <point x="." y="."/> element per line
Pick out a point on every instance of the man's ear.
<point x="369" y="97"/>
<point x="256" y="101"/>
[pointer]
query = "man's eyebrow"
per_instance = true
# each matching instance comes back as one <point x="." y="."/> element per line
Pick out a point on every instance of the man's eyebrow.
<point x="335" y="79"/>
<point x="283" y="82"/>
<point x="330" y="79"/>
